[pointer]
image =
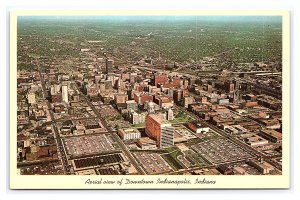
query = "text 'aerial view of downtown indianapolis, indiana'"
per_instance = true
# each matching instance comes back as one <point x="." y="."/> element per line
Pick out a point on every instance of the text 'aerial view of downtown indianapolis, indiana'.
<point x="149" y="95"/>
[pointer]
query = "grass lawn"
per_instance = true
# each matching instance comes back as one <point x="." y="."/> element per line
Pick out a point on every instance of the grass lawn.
<point x="172" y="160"/>
<point x="140" y="125"/>
<point x="181" y="117"/>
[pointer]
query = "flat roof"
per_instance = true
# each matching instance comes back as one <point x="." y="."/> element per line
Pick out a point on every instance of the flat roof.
<point x="158" y="118"/>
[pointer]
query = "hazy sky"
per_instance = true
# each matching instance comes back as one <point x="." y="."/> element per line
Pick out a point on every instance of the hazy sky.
<point x="276" y="19"/>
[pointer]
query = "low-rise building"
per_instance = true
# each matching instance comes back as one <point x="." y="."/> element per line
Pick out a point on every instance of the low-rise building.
<point x="197" y="127"/>
<point x="271" y="135"/>
<point x="129" y="133"/>
<point x="146" y="143"/>
<point x="262" y="166"/>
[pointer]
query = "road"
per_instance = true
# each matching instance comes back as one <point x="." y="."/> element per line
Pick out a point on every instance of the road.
<point x="59" y="143"/>
<point x="113" y="134"/>
<point x="266" y="89"/>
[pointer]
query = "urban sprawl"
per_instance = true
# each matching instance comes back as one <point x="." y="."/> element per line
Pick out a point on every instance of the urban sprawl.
<point x="124" y="110"/>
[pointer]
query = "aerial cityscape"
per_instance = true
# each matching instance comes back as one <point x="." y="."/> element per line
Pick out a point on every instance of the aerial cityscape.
<point x="149" y="95"/>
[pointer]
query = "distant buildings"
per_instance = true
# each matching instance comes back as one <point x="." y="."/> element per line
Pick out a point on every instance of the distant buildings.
<point x="141" y="98"/>
<point x="164" y="101"/>
<point x="187" y="101"/>
<point x="159" y="79"/>
<point x="131" y="105"/>
<point x="31" y="98"/>
<point x="130" y="95"/>
<point x="109" y="66"/>
<point x="121" y="98"/>
<point x="271" y="135"/>
<point x="64" y="89"/>
<point x="177" y="95"/>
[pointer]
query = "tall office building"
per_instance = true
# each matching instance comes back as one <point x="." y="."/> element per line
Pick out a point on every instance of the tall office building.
<point x="170" y="114"/>
<point x="166" y="137"/>
<point x="159" y="79"/>
<point x="64" y="89"/>
<point x="209" y="89"/>
<point x="109" y="66"/>
<point x="31" y="97"/>
<point x="159" y="129"/>
<point x="178" y="95"/>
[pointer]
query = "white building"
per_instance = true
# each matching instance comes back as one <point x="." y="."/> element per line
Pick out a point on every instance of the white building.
<point x="170" y="114"/>
<point x="56" y="88"/>
<point x="65" y="93"/>
<point x="129" y="134"/>
<point x="166" y="136"/>
<point x="31" y="98"/>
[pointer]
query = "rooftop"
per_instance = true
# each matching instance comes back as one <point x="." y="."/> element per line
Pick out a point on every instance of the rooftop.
<point x="158" y="118"/>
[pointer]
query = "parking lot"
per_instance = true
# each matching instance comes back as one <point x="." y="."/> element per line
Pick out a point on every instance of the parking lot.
<point x="83" y="145"/>
<point x="221" y="151"/>
<point x="152" y="163"/>
<point x="97" y="161"/>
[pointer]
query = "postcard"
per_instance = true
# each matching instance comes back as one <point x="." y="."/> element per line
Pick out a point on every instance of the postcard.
<point x="149" y="99"/>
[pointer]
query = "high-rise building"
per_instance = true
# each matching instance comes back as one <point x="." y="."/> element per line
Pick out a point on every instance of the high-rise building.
<point x="64" y="89"/>
<point x="166" y="137"/>
<point x="209" y="89"/>
<point x="237" y="84"/>
<point x="159" y="129"/>
<point x="52" y="90"/>
<point x="132" y="77"/>
<point x="131" y="105"/>
<point x="141" y="98"/>
<point x="186" y="83"/>
<point x="109" y="66"/>
<point x="97" y="79"/>
<point x="137" y="118"/>
<point x="31" y="98"/>
<point x="159" y="79"/>
<point x="170" y="114"/>
<point x="177" y="95"/>
<point x="187" y="101"/>
<point x="56" y="88"/>
<point x="151" y="107"/>
<point x="120" y="98"/>
<point x="229" y="86"/>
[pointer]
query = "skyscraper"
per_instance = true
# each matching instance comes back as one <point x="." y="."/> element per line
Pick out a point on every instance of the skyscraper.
<point x="166" y="137"/>
<point x="109" y="66"/>
<point x="64" y="89"/>
<point x="31" y="98"/>
<point x="170" y="114"/>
